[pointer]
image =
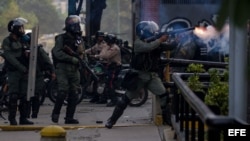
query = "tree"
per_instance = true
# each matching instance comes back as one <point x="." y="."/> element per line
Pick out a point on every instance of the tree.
<point x="238" y="10"/>
<point x="50" y="21"/>
<point x="35" y="11"/>
<point x="10" y="11"/>
<point x="117" y="15"/>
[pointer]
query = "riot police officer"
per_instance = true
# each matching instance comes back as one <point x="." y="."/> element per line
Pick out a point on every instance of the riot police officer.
<point x="146" y="62"/>
<point x="17" y="71"/>
<point x="69" y="47"/>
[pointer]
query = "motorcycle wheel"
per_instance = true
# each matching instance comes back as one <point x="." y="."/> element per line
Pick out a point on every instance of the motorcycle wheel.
<point x="52" y="93"/>
<point x="136" y="102"/>
<point x="143" y="97"/>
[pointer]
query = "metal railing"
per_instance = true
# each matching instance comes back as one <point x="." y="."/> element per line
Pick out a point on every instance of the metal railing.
<point x="192" y="119"/>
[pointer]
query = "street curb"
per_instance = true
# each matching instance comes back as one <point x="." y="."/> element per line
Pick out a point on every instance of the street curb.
<point x="66" y="127"/>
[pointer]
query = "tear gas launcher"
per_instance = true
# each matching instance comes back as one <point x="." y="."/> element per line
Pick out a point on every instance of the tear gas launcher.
<point x="169" y="33"/>
<point x="84" y="64"/>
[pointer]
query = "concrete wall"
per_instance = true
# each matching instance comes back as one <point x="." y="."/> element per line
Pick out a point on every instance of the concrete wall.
<point x="163" y="13"/>
<point x="195" y="13"/>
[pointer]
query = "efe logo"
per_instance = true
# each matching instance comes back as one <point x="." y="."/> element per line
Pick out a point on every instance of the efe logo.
<point x="236" y="132"/>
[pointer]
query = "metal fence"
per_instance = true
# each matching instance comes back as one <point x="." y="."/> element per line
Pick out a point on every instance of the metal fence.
<point x="191" y="118"/>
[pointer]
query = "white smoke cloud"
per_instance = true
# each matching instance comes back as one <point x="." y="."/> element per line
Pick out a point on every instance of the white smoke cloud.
<point x="215" y="40"/>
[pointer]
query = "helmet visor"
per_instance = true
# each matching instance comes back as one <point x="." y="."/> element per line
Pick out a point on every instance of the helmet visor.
<point x="73" y="19"/>
<point x="153" y="27"/>
<point x="19" y="21"/>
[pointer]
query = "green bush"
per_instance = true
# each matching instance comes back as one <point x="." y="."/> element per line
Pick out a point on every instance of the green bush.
<point x="218" y="89"/>
<point x="194" y="80"/>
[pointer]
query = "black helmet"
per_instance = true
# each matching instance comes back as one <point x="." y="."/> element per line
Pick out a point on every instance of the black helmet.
<point x="146" y="29"/>
<point x="16" y="26"/>
<point x="72" y="24"/>
<point x="110" y="38"/>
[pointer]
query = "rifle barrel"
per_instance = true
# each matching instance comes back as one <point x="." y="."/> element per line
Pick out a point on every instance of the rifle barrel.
<point x="180" y="30"/>
<point x="168" y="33"/>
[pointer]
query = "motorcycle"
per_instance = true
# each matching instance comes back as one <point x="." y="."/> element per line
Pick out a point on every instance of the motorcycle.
<point x="99" y="70"/>
<point x="87" y="86"/>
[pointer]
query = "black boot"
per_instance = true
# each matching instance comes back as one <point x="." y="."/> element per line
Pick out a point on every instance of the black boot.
<point x="12" y="109"/>
<point x="25" y="121"/>
<point x="71" y="121"/>
<point x="71" y="108"/>
<point x="35" y="106"/>
<point x="23" y="106"/>
<point x="118" y="111"/>
<point x="55" y="118"/>
<point x="58" y="106"/>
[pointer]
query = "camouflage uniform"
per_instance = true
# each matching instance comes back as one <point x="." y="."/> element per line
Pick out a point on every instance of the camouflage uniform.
<point x="147" y="66"/>
<point x="17" y="72"/>
<point x="149" y="78"/>
<point x="68" y="75"/>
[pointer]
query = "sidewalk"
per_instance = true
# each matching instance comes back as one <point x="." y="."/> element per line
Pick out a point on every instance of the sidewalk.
<point x="135" y="125"/>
